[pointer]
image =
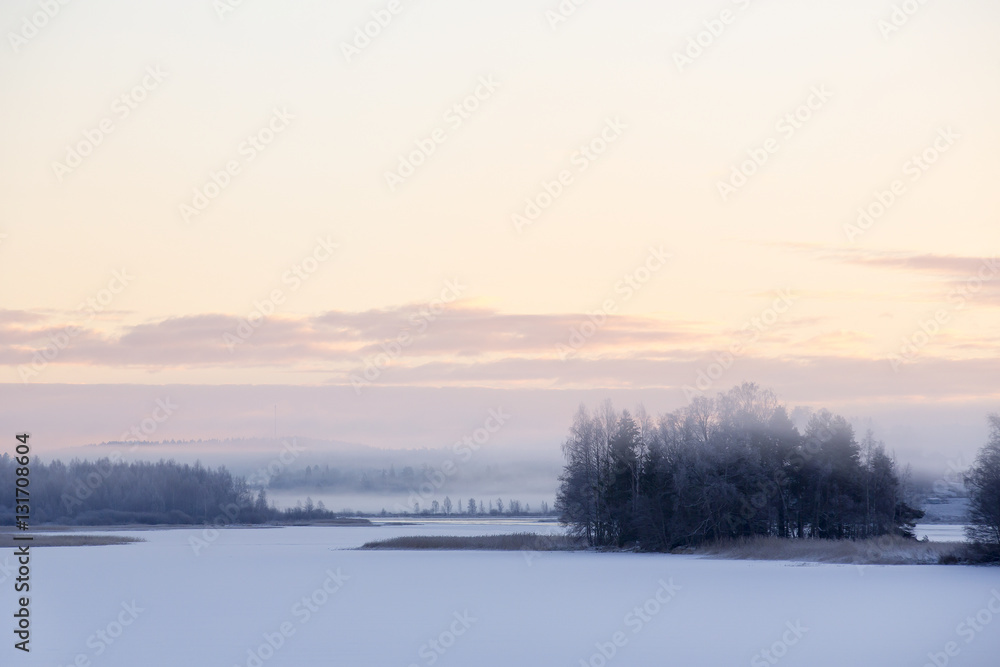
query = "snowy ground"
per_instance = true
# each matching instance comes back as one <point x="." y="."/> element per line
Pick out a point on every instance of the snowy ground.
<point x="160" y="603"/>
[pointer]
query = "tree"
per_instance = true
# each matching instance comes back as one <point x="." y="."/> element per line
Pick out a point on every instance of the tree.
<point x="576" y="500"/>
<point x="472" y="507"/>
<point x="726" y="467"/>
<point x="260" y="505"/>
<point x="983" y="482"/>
<point x="447" y="505"/>
<point x="435" y="507"/>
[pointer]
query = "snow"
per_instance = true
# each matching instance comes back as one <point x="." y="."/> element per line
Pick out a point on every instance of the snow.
<point x="489" y="608"/>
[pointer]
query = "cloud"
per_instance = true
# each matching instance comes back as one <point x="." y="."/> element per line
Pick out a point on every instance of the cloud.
<point x="333" y="337"/>
<point x="463" y="345"/>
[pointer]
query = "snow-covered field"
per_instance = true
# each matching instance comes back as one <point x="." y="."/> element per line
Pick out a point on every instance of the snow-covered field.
<point x="304" y="591"/>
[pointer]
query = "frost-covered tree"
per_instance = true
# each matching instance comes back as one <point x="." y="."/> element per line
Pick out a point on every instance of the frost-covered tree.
<point x="983" y="482"/>
<point x="725" y="467"/>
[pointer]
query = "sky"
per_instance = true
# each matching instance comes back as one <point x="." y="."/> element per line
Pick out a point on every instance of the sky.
<point x="530" y="202"/>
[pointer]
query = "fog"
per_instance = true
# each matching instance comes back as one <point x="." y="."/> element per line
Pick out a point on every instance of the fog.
<point x="933" y="436"/>
<point x="358" y="478"/>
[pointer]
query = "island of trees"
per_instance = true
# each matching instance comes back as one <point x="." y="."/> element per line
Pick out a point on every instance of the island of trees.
<point x="727" y="467"/>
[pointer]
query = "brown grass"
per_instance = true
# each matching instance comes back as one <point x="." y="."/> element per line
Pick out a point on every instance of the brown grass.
<point x="886" y="550"/>
<point x="65" y="540"/>
<point x="511" y="542"/>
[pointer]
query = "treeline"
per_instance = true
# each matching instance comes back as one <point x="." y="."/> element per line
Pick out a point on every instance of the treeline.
<point x="114" y="492"/>
<point x="106" y="492"/>
<point x="513" y="507"/>
<point x="733" y="466"/>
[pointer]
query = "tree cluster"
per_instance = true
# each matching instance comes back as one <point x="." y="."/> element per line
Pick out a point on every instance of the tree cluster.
<point x="512" y="507"/>
<point x="725" y="467"/>
<point x="116" y="492"/>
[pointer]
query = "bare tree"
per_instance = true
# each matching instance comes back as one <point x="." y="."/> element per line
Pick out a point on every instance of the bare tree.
<point x="983" y="481"/>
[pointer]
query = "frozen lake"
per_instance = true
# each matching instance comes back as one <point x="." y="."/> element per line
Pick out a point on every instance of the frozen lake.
<point x="940" y="532"/>
<point x="161" y="603"/>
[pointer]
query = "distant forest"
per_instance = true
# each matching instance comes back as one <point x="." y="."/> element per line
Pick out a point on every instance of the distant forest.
<point x="106" y="492"/>
<point x="726" y="467"/>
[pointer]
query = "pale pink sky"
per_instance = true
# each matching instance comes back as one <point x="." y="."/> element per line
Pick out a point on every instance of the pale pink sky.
<point x="307" y="230"/>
